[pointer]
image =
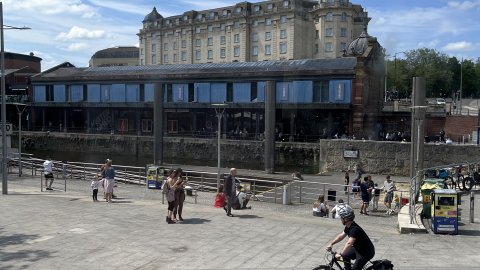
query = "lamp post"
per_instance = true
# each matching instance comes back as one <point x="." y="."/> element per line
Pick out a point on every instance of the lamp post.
<point x="4" y="102"/>
<point x="219" y="110"/>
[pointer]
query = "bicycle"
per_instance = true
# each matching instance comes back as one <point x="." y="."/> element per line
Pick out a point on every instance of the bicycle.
<point x="470" y="181"/>
<point x="334" y="264"/>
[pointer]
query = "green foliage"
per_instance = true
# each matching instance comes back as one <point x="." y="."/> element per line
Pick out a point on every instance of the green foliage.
<point x="442" y="73"/>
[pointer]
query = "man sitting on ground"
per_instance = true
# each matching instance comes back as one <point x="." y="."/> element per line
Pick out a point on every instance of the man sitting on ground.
<point x="241" y="199"/>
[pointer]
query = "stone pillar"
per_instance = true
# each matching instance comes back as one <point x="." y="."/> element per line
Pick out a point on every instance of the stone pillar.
<point x="270" y="107"/>
<point x="158" y="124"/>
<point x="417" y="129"/>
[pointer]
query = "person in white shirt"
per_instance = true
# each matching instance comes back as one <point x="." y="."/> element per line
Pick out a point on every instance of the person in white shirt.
<point x="95" y="184"/>
<point x="389" y="187"/>
<point x="242" y="198"/>
<point x="339" y="205"/>
<point x="48" y="173"/>
<point x="319" y="207"/>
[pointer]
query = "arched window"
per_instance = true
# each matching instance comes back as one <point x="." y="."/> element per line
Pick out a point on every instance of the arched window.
<point x="329" y="17"/>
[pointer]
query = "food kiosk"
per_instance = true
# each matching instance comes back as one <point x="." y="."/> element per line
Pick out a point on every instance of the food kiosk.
<point x="154" y="177"/>
<point x="445" y="211"/>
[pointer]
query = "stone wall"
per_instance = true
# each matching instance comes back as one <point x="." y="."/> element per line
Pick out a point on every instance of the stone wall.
<point x="374" y="157"/>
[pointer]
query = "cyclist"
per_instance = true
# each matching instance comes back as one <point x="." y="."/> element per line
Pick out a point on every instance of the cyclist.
<point x="358" y="246"/>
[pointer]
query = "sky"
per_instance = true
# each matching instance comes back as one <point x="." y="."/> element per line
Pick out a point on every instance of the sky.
<point x="73" y="30"/>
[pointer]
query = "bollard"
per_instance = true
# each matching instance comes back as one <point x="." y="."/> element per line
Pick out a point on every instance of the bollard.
<point x="472" y="205"/>
<point x="286" y="194"/>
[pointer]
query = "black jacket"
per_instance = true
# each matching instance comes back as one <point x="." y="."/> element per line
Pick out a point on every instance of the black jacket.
<point x="229" y="185"/>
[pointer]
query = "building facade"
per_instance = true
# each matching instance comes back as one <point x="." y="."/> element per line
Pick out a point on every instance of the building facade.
<point x="116" y="56"/>
<point x="251" y="32"/>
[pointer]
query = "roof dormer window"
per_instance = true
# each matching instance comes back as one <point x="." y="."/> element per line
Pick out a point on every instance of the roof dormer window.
<point x="225" y="12"/>
<point x="238" y="10"/>
<point x="257" y="8"/>
<point x="270" y="7"/>
<point x="185" y="18"/>
<point x="286" y="3"/>
<point x="199" y="16"/>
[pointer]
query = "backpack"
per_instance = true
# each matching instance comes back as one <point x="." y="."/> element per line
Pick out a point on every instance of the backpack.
<point x="381" y="265"/>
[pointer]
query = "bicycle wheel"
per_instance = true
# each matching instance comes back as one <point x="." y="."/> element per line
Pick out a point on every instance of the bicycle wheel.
<point x="460" y="182"/>
<point x="467" y="183"/>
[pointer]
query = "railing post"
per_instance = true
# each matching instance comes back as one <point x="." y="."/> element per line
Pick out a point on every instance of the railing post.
<point x="201" y="181"/>
<point x="64" y="172"/>
<point x="300" y="190"/>
<point x="275" y="194"/>
<point x="195" y="196"/>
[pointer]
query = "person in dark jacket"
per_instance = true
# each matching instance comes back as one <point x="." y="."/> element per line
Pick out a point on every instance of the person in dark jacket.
<point x="229" y="190"/>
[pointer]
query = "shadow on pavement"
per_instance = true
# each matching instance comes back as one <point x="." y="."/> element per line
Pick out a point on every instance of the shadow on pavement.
<point x="247" y="216"/>
<point x="194" y="221"/>
<point x="18" y="256"/>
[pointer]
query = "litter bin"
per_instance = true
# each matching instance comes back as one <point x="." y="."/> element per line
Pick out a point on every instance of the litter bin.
<point x="154" y="177"/>
<point x="189" y="190"/>
<point x="445" y="211"/>
<point x="332" y="195"/>
<point x="286" y="194"/>
<point x="426" y="189"/>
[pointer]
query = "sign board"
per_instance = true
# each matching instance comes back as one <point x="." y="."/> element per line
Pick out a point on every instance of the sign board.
<point x="8" y="129"/>
<point x="350" y="153"/>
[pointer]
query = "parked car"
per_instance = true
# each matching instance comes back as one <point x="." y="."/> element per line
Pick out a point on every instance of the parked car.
<point x="440" y="101"/>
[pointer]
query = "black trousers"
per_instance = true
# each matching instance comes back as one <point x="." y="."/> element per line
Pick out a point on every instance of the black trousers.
<point x="360" y="259"/>
<point x="94" y="196"/>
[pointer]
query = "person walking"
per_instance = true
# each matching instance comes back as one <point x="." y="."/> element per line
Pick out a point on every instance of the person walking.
<point x="48" y="173"/>
<point x="109" y="180"/>
<point x="365" y="194"/>
<point x="229" y="190"/>
<point x="179" y="194"/>
<point x="388" y="187"/>
<point x="169" y="190"/>
<point x="358" y="247"/>
<point x="376" y="197"/>
<point x="347" y="181"/>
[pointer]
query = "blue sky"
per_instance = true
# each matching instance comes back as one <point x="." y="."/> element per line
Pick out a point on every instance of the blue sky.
<point x="72" y="30"/>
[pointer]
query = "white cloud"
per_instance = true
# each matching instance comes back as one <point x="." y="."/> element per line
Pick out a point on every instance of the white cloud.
<point x="81" y="33"/>
<point x="123" y="7"/>
<point x="459" y="46"/>
<point x="466" y="5"/>
<point x="429" y="44"/>
<point x="76" y="47"/>
<point x="53" y="7"/>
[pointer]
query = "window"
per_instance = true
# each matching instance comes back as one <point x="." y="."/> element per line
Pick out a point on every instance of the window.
<point x="343" y="46"/>
<point x="210" y="41"/>
<point x="212" y="15"/>
<point x="329" y="32"/>
<point x="210" y="28"/>
<point x="236" y="24"/>
<point x="198" y="55"/>
<point x="343" y="32"/>
<point x="222" y="52"/>
<point x="198" y="42"/>
<point x="185" y="18"/>
<point x="255" y="50"/>
<point x="210" y="54"/>
<point x="283" y="47"/>
<point x="199" y="17"/>
<point x="316" y="33"/>
<point x="184" y="31"/>
<point x="225" y="12"/>
<point x="223" y="40"/>
<point x="165" y="46"/>
<point x="154" y="59"/>
<point x="165" y="34"/>
<point x="316" y="49"/>
<point x="236" y="51"/>
<point x="255" y="23"/>
<point x="184" y="56"/>
<point x="344" y="17"/>
<point x="270" y="7"/>
<point x="268" y="36"/>
<point x="165" y="58"/>
<point x="238" y="10"/>
<point x="283" y="19"/>
<point x="268" y="21"/>
<point x="198" y="30"/>
<point x="268" y="49"/>
<point x="286" y="3"/>
<point x="175" y="58"/>
<point x="328" y="46"/>
<point x="283" y="33"/>
<point x="141" y="51"/>
<point x="147" y="125"/>
<point x="222" y="26"/>
<point x="236" y="38"/>
<point x="255" y="37"/>
<point x="154" y="47"/>
<point x="257" y="8"/>
<point x="329" y="17"/>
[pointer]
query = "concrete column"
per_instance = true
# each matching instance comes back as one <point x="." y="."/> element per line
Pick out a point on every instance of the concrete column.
<point x="43" y="119"/>
<point x="270" y="107"/>
<point x="65" y="119"/>
<point x="417" y="129"/>
<point x="158" y="123"/>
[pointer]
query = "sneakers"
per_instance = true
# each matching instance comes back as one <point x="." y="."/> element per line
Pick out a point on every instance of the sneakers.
<point x="49" y="188"/>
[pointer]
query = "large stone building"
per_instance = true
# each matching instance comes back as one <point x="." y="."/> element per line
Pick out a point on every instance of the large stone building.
<point x="116" y="56"/>
<point x="250" y="32"/>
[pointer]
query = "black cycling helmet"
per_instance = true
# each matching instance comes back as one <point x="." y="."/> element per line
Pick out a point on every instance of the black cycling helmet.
<point x="346" y="212"/>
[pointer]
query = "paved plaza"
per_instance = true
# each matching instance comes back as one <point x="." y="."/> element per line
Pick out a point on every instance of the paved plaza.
<point x="66" y="230"/>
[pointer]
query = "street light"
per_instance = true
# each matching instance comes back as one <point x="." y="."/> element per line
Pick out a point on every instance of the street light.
<point x="219" y="110"/>
<point x="4" y="103"/>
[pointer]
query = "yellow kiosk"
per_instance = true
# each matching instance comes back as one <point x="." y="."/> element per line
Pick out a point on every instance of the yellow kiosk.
<point x="445" y="211"/>
<point x="154" y="177"/>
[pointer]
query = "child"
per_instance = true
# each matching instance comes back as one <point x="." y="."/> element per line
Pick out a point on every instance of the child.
<point x="220" y="199"/>
<point x="319" y="207"/>
<point x="376" y="197"/>
<point x="396" y="200"/>
<point x="95" y="184"/>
